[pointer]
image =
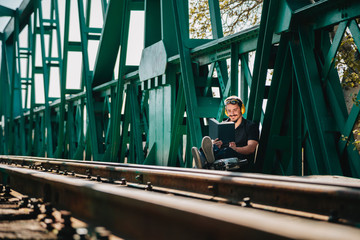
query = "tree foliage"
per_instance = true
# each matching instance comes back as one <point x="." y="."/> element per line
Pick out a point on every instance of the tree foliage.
<point x="348" y="62"/>
<point x="235" y="15"/>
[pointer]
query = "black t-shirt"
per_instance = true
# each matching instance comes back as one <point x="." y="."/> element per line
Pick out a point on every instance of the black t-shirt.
<point x="247" y="130"/>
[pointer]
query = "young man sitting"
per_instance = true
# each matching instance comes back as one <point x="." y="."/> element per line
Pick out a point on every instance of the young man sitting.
<point x="246" y="138"/>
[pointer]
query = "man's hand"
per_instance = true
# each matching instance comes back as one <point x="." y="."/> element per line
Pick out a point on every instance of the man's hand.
<point x="246" y="150"/>
<point x="217" y="142"/>
<point x="232" y="145"/>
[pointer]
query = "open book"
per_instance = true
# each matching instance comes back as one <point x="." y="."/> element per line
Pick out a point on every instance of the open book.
<point x="225" y="131"/>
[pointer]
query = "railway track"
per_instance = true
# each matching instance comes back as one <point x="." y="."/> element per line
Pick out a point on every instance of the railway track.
<point x="141" y="202"/>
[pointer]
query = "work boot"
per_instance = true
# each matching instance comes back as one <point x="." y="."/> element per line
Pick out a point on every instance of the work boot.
<point x="207" y="147"/>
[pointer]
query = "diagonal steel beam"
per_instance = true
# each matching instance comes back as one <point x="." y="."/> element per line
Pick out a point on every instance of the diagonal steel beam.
<point x="124" y="20"/>
<point x="330" y="58"/>
<point x="187" y="75"/>
<point x="109" y="45"/>
<point x="313" y="105"/>
<point x="263" y="49"/>
<point x="6" y="12"/>
<point x="88" y="81"/>
<point x="275" y="107"/>
<point x="25" y="10"/>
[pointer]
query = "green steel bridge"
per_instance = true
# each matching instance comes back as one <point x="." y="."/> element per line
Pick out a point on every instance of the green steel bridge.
<point x="154" y="112"/>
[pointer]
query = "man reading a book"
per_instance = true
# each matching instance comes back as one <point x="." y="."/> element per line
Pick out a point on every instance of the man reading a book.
<point x="244" y="146"/>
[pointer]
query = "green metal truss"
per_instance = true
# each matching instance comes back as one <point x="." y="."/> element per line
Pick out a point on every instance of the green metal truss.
<point x="155" y="112"/>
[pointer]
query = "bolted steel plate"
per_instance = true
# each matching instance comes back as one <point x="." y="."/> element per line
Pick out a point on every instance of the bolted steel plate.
<point x="153" y="61"/>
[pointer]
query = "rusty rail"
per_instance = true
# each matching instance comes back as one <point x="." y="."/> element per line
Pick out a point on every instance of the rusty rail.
<point x="138" y="214"/>
<point x="329" y="198"/>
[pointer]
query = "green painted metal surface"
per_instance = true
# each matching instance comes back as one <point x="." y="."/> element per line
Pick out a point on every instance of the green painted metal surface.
<point x="160" y="123"/>
<point x="155" y="112"/>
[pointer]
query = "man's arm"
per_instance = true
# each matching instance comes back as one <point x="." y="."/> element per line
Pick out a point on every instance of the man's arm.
<point x="245" y="150"/>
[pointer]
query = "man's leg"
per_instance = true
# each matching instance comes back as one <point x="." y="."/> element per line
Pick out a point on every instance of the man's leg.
<point x="207" y="147"/>
<point x="225" y="153"/>
<point x="227" y="159"/>
<point x="199" y="162"/>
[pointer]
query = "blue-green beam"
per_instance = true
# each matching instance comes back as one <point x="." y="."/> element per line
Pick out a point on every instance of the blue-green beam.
<point x="326" y="13"/>
<point x="109" y="44"/>
<point x="187" y="75"/>
<point x="88" y="80"/>
<point x="124" y="20"/>
<point x="25" y="10"/>
<point x="263" y="49"/>
<point x="6" y="12"/>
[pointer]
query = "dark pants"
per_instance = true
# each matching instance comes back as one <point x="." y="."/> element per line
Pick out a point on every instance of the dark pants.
<point x="221" y="153"/>
<point x="225" y="152"/>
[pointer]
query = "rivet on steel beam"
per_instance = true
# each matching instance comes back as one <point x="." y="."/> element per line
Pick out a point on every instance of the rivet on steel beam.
<point x="247" y="202"/>
<point x="123" y="181"/>
<point x="149" y="187"/>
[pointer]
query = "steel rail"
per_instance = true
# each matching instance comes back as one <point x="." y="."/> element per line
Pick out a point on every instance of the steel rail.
<point x="319" y="180"/>
<point x="136" y="214"/>
<point x="337" y="200"/>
